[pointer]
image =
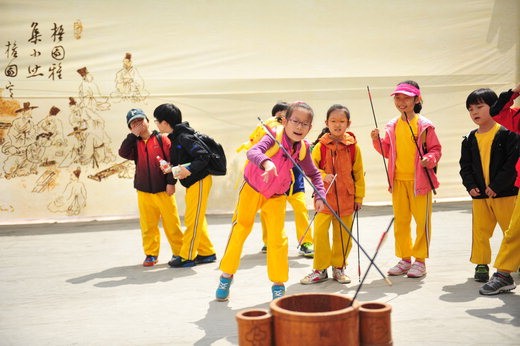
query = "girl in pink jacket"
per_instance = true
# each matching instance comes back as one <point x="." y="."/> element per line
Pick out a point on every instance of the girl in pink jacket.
<point x="267" y="177"/>
<point x="413" y="151"/>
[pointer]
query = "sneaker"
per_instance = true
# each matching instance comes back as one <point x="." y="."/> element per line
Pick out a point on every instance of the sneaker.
<point x="180" y="262"/>
<point x="278" y="291"/>
<point x="315" y="277"/>
<point x="170" y="262"/>
<point x="481" y="273"/>
<point x="222" y="293"/>
<point x="400" y="268"/>
<point x="307" y="250"/>
<point x="338" y="274"/>
<point x="498" y="283"/>
<point x="205" y="259"/>
<point x="417" y="270"/>
<point x="150" y="261"/>
<point x="264" y="249"/>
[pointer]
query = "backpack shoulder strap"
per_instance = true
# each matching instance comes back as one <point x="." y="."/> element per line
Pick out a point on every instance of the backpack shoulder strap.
<point x="159" y="139"/>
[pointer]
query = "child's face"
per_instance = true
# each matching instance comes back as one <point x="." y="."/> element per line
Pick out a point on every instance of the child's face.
<point x="405" y="103"/>
<point x="298" y="125"/>
<point x="479" y="113"/>
<point x="139" y="125"/>
<point x="162" y="126"/>
<point x="337" y="123"/>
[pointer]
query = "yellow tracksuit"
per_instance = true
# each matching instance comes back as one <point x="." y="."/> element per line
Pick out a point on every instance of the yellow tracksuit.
<point x="508" y="257"/>
<point x="153" y="206"/>
<point x="301" y="218"/>
<point x="249" y="202"/>
<point x="405" y="202"/>
<point x="486" y="213"/>
<point x="196" y="240"/>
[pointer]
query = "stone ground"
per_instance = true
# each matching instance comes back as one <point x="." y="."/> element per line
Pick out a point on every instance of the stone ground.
<point x="83" y="284"/>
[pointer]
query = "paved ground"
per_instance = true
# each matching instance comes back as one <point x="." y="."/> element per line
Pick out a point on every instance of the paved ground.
<point x="79" y="284"/>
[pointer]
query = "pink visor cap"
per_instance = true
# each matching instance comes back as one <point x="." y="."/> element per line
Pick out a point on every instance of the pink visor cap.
<point x="406" y="89"/>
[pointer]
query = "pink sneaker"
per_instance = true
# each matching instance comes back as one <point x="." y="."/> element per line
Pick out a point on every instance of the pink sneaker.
<point x="417" y="270"/>
<point x="400" y="268"/>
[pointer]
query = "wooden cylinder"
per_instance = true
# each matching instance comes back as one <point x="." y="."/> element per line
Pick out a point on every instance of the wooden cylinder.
<point x="254" y="327"/>
<point x="315" y="319"/>
<point x="374" y="324"/>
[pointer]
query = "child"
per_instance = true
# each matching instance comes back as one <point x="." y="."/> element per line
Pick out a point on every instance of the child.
<point x="336" y="154"/>
<point x="413" y="150"/>
<point x="295" y="194"/>
<point x="154" y="189"/>
<point x="186" y="149"/>
<point x="507" y="259"/>
<point x="266" y="179"/>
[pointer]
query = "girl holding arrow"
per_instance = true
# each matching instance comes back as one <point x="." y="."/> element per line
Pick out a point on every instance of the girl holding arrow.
<point x="413" y="151"/>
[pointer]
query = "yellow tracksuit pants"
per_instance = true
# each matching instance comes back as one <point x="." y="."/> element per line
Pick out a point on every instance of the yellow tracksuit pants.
<point x="196" y="239"/>
<point x="406" y="204"/>
<point x="486" y="213"/>
<point x="301" y="218"/>
<point x="508" y="257"/>
<point x="324" y="255"/>
<point x="152" y="207"/>
<point x="249" y="202"/>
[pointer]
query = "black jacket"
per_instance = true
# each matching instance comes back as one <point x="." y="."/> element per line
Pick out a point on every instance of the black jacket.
<point x="187" y="149"/>
<point x="502" y="173"/>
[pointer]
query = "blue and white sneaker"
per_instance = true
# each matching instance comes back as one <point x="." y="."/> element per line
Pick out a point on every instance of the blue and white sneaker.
<point x="278" y="291"/>
<point x="222" y="293"/>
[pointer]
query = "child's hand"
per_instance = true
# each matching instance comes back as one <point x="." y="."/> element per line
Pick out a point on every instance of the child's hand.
<point x="165" y="168"/>
<point x="516" y="89"/>
<point x="269" y="169"/>
<point x="328" y="178"/>
<point x="319" y="205"/>
<point x="136" y="127"/>
<point x="474" y="192"/>
<point x="374" y="134"/>
<point x="170" y="189"/>
<point x="424" y="161"/>
<point x="357" y="206"/>
<point x="182" y="172"/>
<point x="490" y="192"/>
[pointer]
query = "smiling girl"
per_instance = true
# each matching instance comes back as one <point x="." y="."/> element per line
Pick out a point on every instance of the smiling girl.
<point x="267" y="176"/>
<point x="413" y="150"/>
<point x="338" y="158"/>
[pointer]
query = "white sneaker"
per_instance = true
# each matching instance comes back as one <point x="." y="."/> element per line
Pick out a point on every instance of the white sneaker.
<point x="400" y="268"/>
<point x="315" y="277"/>
<point x="339" y="275"/>
<point x="417" y="270"/>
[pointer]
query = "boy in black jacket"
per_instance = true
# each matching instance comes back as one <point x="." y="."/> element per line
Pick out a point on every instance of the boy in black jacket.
<point x="189" y="161"/>
<point x="488" y="157"/>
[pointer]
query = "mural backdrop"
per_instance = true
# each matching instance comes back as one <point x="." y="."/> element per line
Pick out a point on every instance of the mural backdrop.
<point x="70" y="70"/>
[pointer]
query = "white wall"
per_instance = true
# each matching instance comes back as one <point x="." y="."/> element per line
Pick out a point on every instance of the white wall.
<point x="226" y="62"/>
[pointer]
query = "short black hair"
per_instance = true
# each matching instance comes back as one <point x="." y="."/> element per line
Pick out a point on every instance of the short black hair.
<point x="278" y="107"/>
<point x="168" y="112"/>
<point x="482" y="95"/>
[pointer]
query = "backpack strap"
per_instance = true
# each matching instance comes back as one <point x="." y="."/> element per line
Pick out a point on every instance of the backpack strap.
<point x="159" y="139"/>
<point x="351" y="149"/>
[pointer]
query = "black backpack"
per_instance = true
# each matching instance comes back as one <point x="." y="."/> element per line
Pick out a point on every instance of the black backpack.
<point x="217" y="156"/>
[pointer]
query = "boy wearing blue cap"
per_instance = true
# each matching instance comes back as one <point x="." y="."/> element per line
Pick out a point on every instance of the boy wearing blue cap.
<point x="154" y="188"/>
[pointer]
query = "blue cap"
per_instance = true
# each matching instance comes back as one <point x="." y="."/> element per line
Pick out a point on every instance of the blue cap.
<point x="133" y="114"/>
